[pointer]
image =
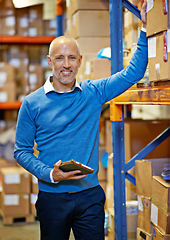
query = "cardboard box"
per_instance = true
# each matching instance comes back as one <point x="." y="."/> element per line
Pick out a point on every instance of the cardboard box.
<point x="158" y="235"/>
<point x="160" y="209"/>
<point x="82" y="74"/>
<point x="159" y="70"/>
<point x="15" y="180"/>
<point x="8" y="25"/>
<point x="14" y="205"/>
<point x="22" y="21"/>
<point x="144" y="215"/>
<point x="161" y="193"/>
<point x="131" y="225"/>
<point x="101" y="28"/>
<point x="98" y="68"/>
<point x="157" y="21"/>
<point x="141" y="234"/>
<point x="144" y="172"/>
<point x="7" y="73"/>
<point x="36" y="77"/>
<point x="50" y="27"/>
<point x="8" y="92"/>
<point x="91" y="45"/>
<point x="130" y="28"/>
<point x="74" y="5"/>
<point x="7" y="8"/>
<point x="35" y="15"/>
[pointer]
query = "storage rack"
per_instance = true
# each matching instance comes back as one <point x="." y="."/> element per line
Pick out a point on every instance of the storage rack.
<point x="150" y="95"/>
<point x="21" y="40"/>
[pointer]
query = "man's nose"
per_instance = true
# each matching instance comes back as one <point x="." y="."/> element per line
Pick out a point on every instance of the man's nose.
<point x="66" y="63"/>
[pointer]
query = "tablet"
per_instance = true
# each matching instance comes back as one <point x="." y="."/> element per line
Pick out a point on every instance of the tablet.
<point x="74" y="165"/>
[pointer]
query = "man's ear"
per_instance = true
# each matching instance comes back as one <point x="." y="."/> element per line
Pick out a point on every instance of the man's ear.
<point x="80" y="61"/>
<point x="49" y="61"/>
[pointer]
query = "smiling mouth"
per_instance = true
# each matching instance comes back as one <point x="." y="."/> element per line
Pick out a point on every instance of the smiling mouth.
<point x="65" y="72"/>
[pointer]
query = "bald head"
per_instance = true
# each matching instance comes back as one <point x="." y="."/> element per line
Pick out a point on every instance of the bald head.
<point x="61" y="41"/>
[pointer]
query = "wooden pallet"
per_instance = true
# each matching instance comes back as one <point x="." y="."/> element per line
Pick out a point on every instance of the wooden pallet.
<point x="9" y="220"/>
<point x="160" y="83"/>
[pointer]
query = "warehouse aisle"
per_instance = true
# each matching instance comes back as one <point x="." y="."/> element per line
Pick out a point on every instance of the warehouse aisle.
<point x="21" y="231"/>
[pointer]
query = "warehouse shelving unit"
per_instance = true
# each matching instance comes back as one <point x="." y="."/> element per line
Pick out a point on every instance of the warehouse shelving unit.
<point x="21" y="40"/>
<point x="149" y="95"/>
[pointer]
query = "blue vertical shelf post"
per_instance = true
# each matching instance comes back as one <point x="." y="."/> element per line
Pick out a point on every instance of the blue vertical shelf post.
<point x="116" y="38"/>
<point x="59" y="17"/>
<point x="117" y="117"/>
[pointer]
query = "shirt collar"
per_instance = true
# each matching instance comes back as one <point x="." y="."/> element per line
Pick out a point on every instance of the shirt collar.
<point x="48" y="87"/>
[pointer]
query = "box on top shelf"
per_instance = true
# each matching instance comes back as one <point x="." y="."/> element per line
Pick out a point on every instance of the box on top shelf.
<point x="160" y="208"/>
<point x="144" y="172"/>
<point x="74" y="5"/>
<point x="159" y="57"/>
<point x="50" y="27"/>
<point x="35" y="15"/>
<point x="159" y="54"/>
<point x="22" y="21"/>
<point x="8" y="25"/>
<point x="95" y="24"/>
<point x="15" y="180"/>
<point x="158" y="17"/>
<point x="7" y="8"/>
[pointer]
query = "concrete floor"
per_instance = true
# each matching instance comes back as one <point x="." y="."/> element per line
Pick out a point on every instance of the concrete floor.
<point x="21" y="231"/>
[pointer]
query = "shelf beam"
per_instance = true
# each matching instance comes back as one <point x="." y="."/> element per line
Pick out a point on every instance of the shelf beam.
<point x="10" y="105"/>
<point x="26" y="39"/>
<point x="131" y="8"/>
<point x="159" y="95"/>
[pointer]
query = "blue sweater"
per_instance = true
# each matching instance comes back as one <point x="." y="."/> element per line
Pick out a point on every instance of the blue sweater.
<point x="66" y="126"/>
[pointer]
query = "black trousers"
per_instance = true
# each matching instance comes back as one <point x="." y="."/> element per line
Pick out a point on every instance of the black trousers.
<point x="82" y="211"/>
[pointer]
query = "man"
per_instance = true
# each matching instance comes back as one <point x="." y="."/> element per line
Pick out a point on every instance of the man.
<point x="63" y="118"/>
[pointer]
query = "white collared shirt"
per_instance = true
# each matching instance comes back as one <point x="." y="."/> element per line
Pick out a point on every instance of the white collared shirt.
<point x="48" y="87"/>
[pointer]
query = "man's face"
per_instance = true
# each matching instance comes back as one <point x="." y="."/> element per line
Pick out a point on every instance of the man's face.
<point x="65" y="61"/>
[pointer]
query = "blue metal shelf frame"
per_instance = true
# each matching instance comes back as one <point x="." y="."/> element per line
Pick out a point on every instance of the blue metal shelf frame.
<point x="120" y="169"/>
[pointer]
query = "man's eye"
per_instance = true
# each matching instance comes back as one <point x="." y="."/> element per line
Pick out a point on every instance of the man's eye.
<point x="59" y="58"/>
<point x="72" y="57"/>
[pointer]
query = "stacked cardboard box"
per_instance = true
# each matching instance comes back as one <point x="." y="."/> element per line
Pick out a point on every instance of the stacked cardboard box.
<point x="144" y="172"/>
<point x="7" y="82"/>
<point x="36" y="78"/>
<point x="7" y="18"/>
<point x="158" y="34"/>
<point x="15" y="192"/>
<point x="160" y="206"/>
<point x="27" y="70"/>
<point x="27" y="21"/>
<point x="131" y="222"/>
<point x="88" y="23"/>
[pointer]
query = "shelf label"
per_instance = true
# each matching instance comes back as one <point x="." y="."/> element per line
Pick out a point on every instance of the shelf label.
<point x="152" y="47"/>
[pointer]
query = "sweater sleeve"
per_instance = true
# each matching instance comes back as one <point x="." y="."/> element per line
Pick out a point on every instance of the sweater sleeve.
<point x="24" y="142"/>
<point x="118" y="83"/>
